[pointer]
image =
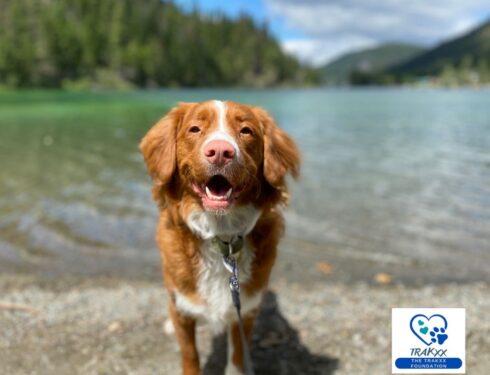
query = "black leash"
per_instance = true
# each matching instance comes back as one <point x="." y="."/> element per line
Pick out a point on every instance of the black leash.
<point x="228" y="250"/>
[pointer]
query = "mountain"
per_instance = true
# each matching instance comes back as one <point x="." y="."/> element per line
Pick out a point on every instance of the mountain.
<point x="470" y="50"/>
<point x="367" y="61"/>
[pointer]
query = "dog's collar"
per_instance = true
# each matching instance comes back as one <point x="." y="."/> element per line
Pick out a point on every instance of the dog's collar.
<point x="230" y="247"/>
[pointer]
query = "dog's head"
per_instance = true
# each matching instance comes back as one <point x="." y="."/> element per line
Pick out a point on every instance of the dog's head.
<point x="219" y="154"/>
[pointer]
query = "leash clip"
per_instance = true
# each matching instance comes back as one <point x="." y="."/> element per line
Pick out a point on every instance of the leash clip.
<point x="230" y="264"/>
<point x="228" y="248"/>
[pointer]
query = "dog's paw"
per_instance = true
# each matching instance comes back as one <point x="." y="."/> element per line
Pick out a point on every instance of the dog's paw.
<point x="168" y="327"/>
<point x="231" y="369"/>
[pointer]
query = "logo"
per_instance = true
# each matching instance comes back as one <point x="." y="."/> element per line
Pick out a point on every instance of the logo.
<point x="429" y="330"/>
<point x="429" y="341"/>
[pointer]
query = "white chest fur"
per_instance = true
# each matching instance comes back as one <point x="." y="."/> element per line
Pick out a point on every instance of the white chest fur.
<point x="240" y="220"/>
<point x="213" y="287"/>
<point x="212" y="280"/>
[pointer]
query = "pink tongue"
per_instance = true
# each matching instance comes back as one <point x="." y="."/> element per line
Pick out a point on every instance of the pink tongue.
<point x="218" y="186"/>
<point x="219" y="191"/>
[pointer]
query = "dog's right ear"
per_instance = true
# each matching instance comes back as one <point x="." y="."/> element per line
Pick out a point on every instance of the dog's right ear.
<point x="159" y="145"/>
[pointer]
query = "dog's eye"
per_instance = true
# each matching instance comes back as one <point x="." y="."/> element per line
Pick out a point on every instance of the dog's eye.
<point x="194" y="129"/>
<point x="246" y="130"/>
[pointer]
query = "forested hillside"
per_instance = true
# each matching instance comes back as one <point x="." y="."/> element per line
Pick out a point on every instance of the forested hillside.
<point x="464" y="60"/>
<point x="145" y="43"/>
<point x="471" y="50"/>
<point x="340" y="71"/>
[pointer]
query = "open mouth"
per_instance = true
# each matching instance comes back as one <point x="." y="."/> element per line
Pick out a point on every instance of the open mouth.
<point x="217" y="194"/>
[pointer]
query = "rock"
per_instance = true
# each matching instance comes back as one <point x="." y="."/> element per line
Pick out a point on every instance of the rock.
<point x="383" y="278"/>
<point x="115" y="327"/>
<point x="324" y="267"/>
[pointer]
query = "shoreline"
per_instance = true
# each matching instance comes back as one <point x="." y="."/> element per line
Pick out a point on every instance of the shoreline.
<point x="106" y="325"/>
<point x="322" y="311"/>
<point x="298" y="261"/>
<point x="92" y="314"/>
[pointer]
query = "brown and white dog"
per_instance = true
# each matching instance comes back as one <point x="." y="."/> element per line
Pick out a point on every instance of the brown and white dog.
<point x="219" y="170"/>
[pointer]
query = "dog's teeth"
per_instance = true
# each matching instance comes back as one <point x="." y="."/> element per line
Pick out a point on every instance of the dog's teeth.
<point x="208" y="192"/>
<point x="228" y="193"/>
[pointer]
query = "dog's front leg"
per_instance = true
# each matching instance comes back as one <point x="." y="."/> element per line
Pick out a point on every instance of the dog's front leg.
<point x="236" y="363"/>
<point x="185" y="331"/>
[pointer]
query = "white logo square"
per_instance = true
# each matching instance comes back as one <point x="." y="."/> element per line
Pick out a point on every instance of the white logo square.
<point x="428" y="340"/>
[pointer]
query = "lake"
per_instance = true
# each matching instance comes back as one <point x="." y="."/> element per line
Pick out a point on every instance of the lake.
<point x="401" y="173"/>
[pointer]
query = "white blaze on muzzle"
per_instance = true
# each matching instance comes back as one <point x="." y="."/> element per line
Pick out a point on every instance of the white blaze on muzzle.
<point x="223" y="133"/>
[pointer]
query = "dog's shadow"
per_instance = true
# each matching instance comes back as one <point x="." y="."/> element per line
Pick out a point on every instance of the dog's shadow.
<point x="276" y="348"/>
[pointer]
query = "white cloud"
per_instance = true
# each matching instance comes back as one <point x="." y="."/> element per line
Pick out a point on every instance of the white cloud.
<point x="317" y="51"/>
<point x="335" y="26"/>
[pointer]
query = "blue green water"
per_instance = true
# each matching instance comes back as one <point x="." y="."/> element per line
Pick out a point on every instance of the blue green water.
<point x="401" y="172"/>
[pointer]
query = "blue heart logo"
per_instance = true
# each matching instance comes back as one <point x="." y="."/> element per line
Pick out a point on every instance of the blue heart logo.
<point x="437" y="325"/>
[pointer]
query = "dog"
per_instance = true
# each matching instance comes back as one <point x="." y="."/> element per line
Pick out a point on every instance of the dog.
<point x="219" y="171"/>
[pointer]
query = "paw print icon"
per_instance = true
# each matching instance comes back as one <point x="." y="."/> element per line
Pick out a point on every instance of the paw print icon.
<point x="439" y="335"/>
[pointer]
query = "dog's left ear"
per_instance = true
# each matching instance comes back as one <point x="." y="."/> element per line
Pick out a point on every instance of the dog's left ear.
<point x="159" y="145"/>
<point x="281" y="155"/>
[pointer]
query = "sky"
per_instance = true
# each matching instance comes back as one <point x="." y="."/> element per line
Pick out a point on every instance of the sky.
<point x="318" y="31"/>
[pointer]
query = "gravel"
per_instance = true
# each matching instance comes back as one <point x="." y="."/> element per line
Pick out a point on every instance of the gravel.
<point x="114" y="326"/>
